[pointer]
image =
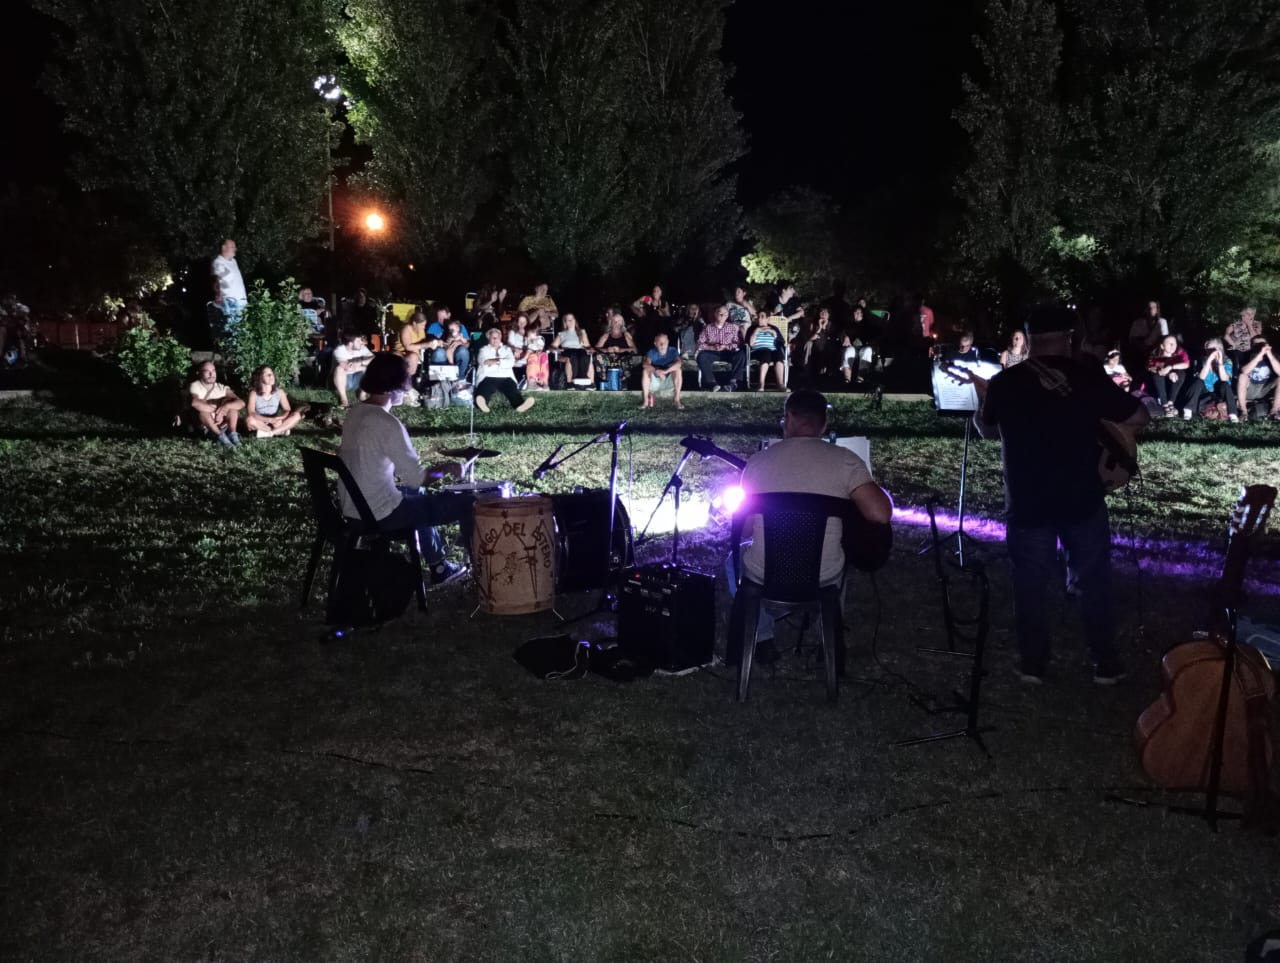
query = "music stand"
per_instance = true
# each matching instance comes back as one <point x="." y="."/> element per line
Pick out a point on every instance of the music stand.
<point x="955" y="399"/>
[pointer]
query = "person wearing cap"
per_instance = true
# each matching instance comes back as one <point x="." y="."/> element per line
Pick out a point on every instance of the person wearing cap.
<point x="1046" y="412"/>
<point x="377" y="451"/>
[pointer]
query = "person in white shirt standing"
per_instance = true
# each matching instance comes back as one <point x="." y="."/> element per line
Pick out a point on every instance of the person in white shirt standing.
<point x="496" y="374"/>
<point x="377" y="451"/>
<point x="227" y="273"/>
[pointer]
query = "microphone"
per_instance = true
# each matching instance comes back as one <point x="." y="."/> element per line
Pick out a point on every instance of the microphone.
<point x="545" y="467"/>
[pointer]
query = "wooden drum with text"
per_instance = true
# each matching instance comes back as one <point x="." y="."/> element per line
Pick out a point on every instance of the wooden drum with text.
<point x="513" y="554"/>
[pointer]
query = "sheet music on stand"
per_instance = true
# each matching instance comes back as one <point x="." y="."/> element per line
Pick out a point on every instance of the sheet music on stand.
<point x="954" y="397"/>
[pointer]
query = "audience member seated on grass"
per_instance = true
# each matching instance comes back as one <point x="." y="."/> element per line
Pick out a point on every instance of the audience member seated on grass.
<point x="616" y="344"/>
<point x="1167" y="373"/>
<point x="267" y="410"/>
<point x="350" y="359"/>
<point x="741" y="311"/>
<point x="413" y="341"/>
<point x="377" y="451"/>
<point x="1239" y="336"/>
<point x="688" y="329"/>
<point x="1258" y="382"/>
<point x="1016" y="351"/>
<point x="1115" y="370"/>
<point x="541" y="309"/>
<point x="537" y="364"/>
<point x="721" y="341"/>
<point x="819" y="345"/>
<point x="856" y="347"/>
<point x="766" y="345"/>
<point x="494" y="374"/>
<point x="574" y="350"/>
<point x="1213" y="380"/>
<point x="661" y="372"/>
<point x="215" y="405"/>
<point x="803" y="462"/>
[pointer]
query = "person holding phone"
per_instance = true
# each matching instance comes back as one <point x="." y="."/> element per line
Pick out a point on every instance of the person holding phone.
<point x="1213" y="379"/>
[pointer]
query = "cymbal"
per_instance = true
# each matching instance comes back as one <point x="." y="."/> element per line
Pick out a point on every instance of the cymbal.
<point x="470" y="452"/>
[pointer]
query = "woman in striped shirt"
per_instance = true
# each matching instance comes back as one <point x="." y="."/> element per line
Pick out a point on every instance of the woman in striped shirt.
<point x="765" y="344"/>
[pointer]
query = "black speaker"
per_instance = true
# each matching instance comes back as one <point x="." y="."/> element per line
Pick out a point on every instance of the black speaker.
<point x="582" y="536"/>
<point x="667" y="615"/>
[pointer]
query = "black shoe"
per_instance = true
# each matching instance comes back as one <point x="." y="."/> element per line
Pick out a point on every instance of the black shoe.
<point x="445" y="572"/>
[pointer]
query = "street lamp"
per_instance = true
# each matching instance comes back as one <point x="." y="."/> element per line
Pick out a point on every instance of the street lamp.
<point x="326" y="85"/>
<point x="374" y="222"/>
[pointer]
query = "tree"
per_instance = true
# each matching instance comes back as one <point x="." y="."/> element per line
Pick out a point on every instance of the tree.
<point x="426" y="100"/>
<point x="685" y="127"/>
<point x="201" y="116"/>
<point x="1175" y="106"/>
<point x="794" y="236"/>
<point x="1011" y="185"/>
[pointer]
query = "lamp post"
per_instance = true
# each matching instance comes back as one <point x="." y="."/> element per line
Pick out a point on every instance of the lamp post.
<point x="327" y="87"/>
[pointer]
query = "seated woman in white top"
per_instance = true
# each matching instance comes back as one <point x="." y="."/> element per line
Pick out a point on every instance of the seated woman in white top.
<point x="518" y="342"/>
<point x="574" y="351"/>
<point x="377" y="451"/>
<point x="494" y="374"/>
<point x="267" y="409"/>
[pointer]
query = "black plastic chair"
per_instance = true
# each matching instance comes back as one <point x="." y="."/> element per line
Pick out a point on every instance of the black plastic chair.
<point x="343" y="533"/>
<point x="794" y="525"/>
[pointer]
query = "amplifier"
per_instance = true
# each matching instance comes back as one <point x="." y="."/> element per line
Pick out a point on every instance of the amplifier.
<point x="667" y="615"/>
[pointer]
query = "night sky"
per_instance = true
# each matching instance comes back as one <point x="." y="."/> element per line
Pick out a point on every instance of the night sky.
<point x="853" y="99"/>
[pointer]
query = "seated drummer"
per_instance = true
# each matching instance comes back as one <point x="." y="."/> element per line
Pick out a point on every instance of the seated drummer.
<point x="804" y="462"/>
<point x="377" y="451"/>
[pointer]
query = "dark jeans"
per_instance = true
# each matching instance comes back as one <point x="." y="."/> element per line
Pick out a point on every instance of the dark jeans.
<point x="1221" y="391"/>
<point x="1165" y="390"/>
<point x="461" y="357"/>
<point x="579" y="360"/>
<point x="737" y="359"/>
<point x="1033" y="561"/>
<point x="488" y="387"/>
<point x="425" y="511"/>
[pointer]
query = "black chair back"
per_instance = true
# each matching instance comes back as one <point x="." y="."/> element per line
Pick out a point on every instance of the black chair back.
<point x="317" y="465"/>
<point x="795" y="526"/>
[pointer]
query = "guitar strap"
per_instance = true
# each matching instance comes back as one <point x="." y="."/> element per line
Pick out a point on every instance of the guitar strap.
<point x="1056" y="382"/>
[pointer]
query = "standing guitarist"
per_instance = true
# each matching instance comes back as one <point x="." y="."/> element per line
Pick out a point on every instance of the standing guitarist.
<point x="1049" y="414"/>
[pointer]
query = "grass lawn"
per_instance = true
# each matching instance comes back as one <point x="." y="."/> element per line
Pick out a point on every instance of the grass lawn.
<point x="191" y="774"/>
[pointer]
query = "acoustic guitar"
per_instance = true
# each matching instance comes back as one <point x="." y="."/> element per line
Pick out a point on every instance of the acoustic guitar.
<point x="1209" y="730"/>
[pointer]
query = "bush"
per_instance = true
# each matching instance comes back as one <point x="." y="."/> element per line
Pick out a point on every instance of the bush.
<point x="147" y="357"/>
<point x="271" y="331"/>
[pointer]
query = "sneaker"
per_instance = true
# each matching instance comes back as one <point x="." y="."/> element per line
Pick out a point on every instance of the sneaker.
<point x="225" y="438"/>
<point x="481" y="403"/>
<point x="716" y="388"/>
<point x="412" y="398"/>
<point x="1233" y="418"/>
<point x="444" y="572"/>
<point x="1186" y="414"/>
<point x="1110" y="674"/>
<point x="235" y="438"/>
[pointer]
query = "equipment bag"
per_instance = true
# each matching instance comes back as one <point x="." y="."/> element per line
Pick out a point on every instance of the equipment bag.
<point x="374" y="586"/>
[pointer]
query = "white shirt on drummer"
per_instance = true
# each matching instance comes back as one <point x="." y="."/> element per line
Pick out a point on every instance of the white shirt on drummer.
<point x="802" y="465"/>
<point x="230" y="282"/>
<point x="502" y="369"/>
<point x="376" y="449"/>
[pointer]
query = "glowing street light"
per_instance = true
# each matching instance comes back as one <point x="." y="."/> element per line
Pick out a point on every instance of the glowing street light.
<point x="374" y="222"/>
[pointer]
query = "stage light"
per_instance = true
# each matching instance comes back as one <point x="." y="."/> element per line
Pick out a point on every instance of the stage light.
<point x="374" y="222"/>
<point x="727" y="502"/>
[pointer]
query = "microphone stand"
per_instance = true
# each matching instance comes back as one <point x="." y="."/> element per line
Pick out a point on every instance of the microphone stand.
<point x="674" y="485"/>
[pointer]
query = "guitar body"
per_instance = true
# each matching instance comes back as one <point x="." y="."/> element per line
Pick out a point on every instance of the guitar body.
<point x="1118" y="455"/>
<point x="1175" y="734"/>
